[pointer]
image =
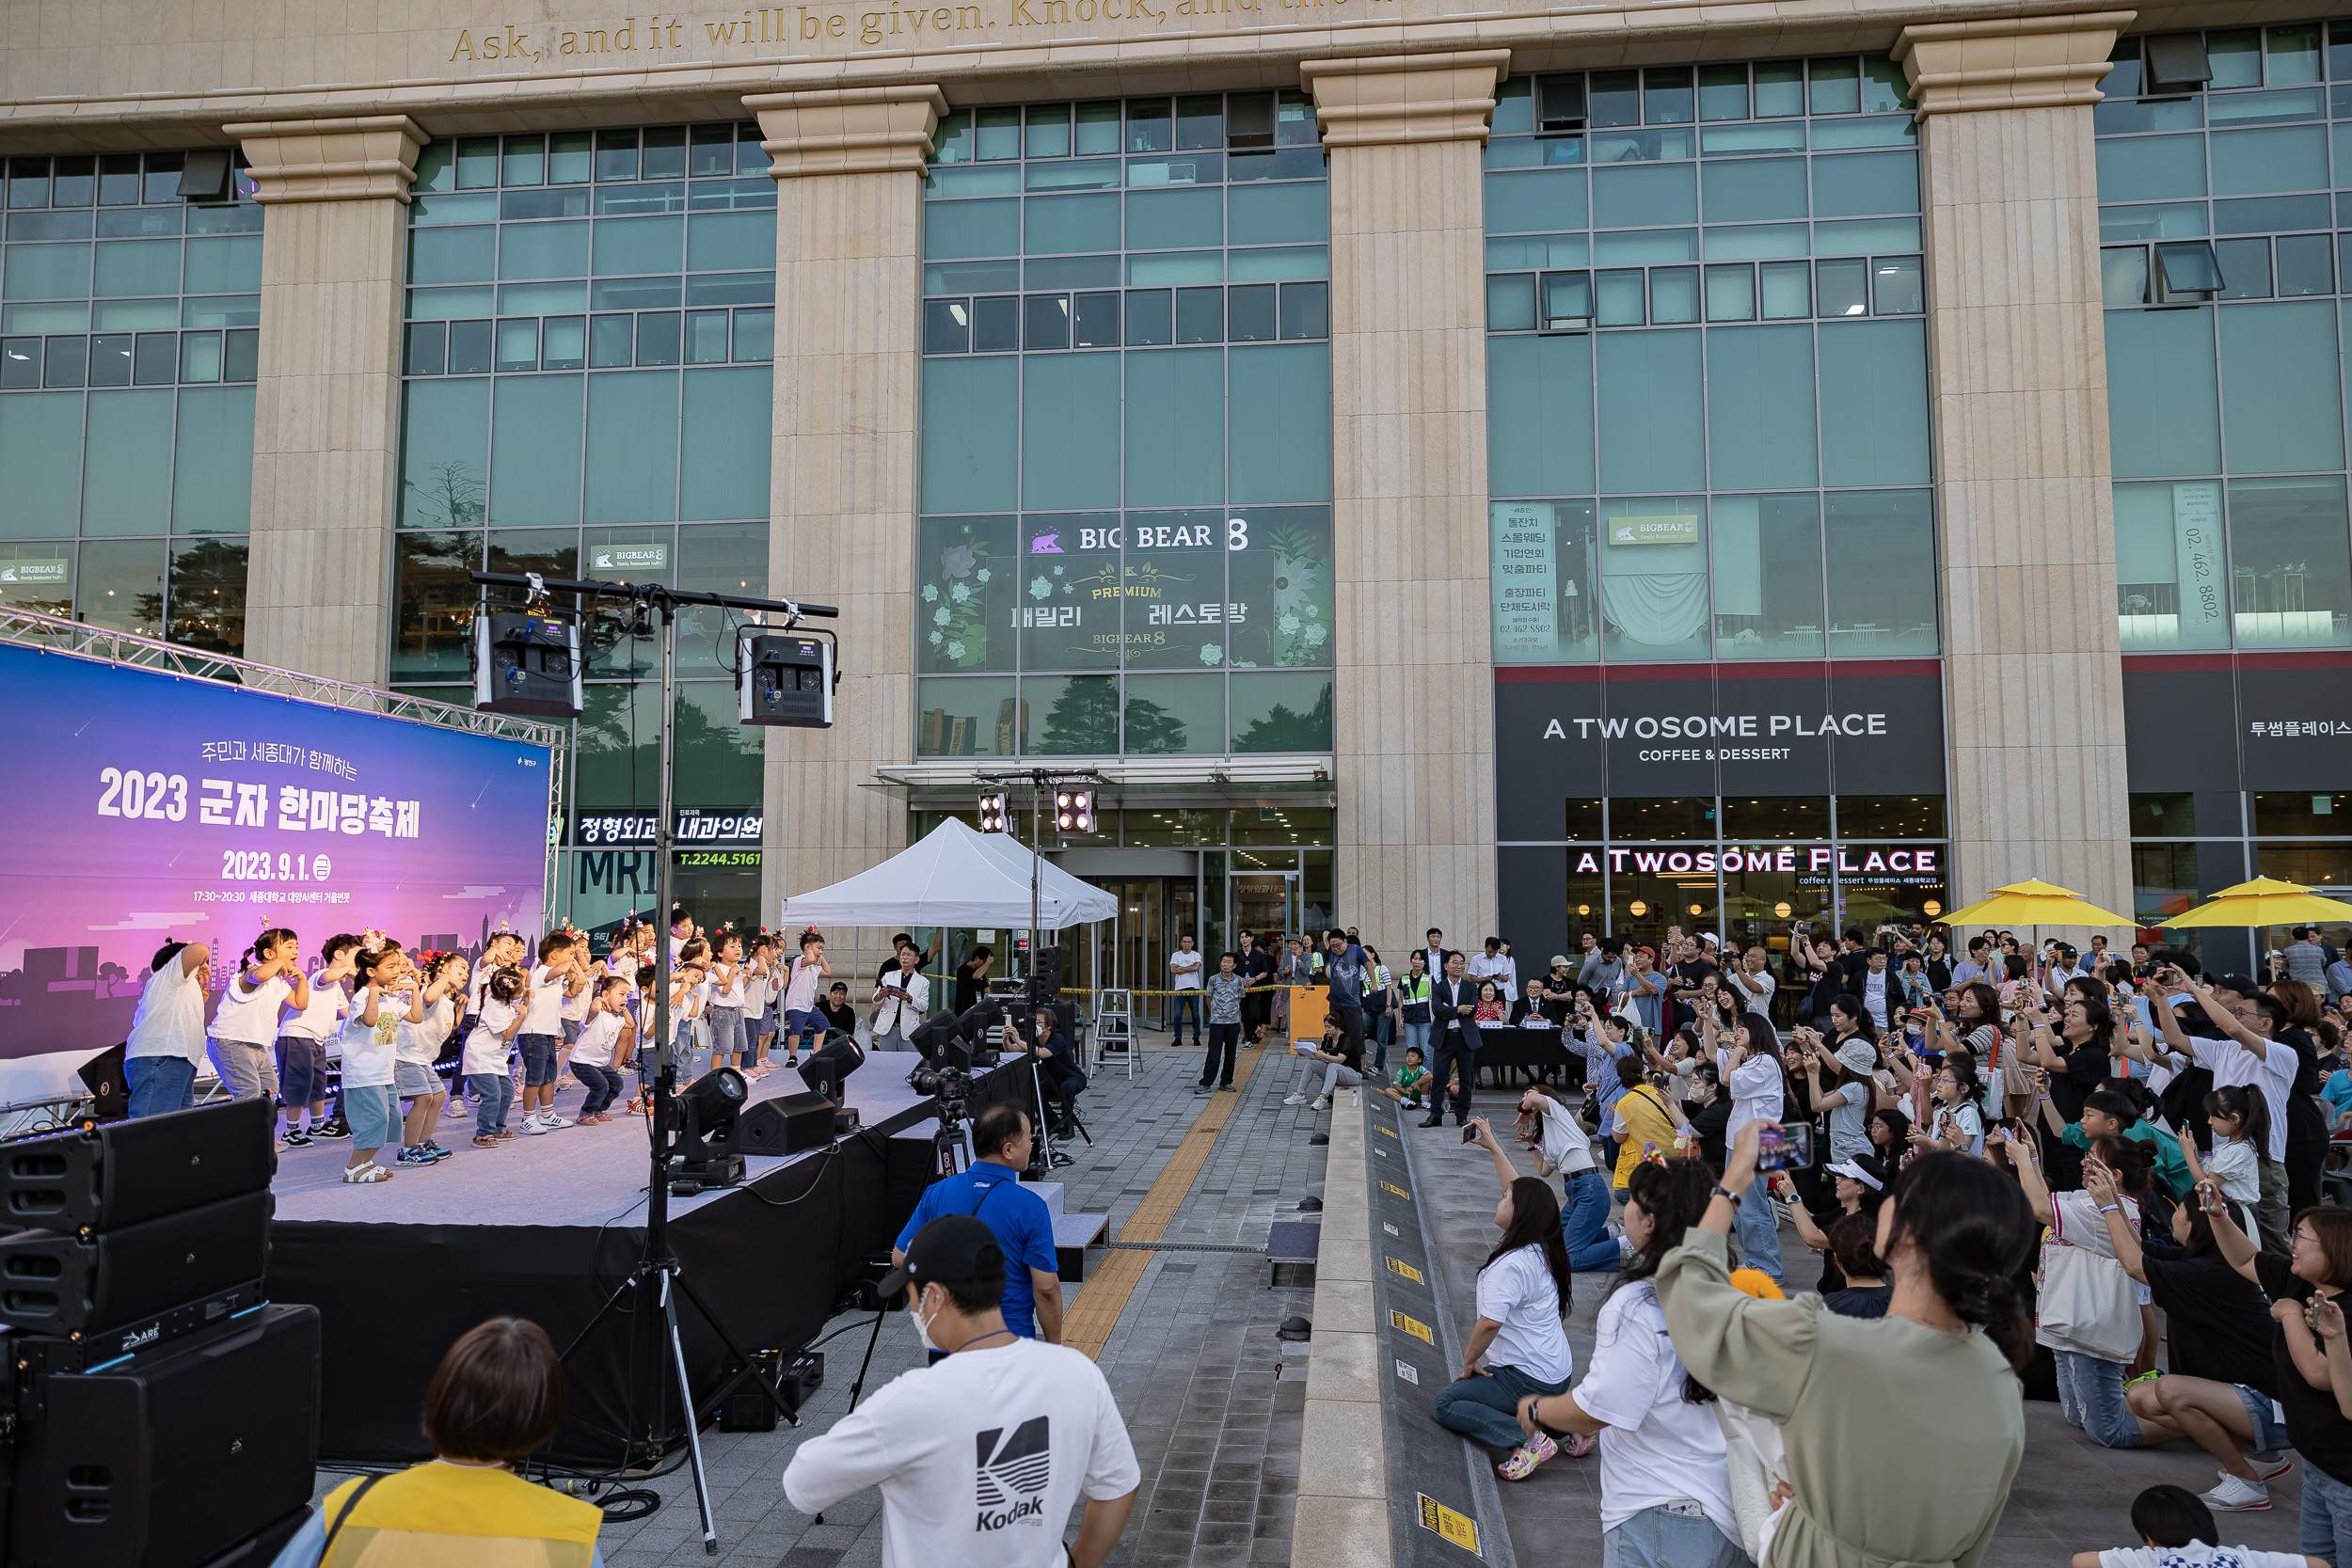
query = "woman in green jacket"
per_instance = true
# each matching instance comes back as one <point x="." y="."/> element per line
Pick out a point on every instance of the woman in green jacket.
<point x="1859" y="1401"/>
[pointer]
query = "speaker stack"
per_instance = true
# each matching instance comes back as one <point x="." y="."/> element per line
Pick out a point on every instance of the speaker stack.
<point x="159" y="1412"/>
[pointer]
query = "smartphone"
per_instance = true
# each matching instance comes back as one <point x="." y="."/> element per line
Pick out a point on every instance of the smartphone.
<point x="1469" y="1134"/>
<point x="1784" y="1146"/>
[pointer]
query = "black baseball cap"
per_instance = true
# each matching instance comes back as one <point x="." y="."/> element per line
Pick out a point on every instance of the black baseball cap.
<point x="953" y="1249"/>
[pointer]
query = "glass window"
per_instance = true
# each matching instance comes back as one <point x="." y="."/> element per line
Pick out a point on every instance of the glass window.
<point x="2163" y="409"/>
<point x="1653" y="577"/>
<point x="119" y="585"/>
<point x="2281" y="402"/>
<point x="1651" y="421"/>
<point x="1768" y="577"/>
<point x="2170" y="559"/>
<point x="1874" y="403"/>
<point x="2325" y="814"/>
<point x="1881" y="596"/>
<point x="1227" y="569"/>
<point x="1282" y="712"/>
<point x="2290" y="575"/>
<point x="1543" y="577"/>
<point x="1760" y="407"/>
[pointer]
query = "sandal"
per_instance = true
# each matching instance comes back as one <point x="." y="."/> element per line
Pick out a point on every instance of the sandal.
<point x="484" y="1140"/>
<point x="1523" y="1459"/>
<point x="360" y="1176"/>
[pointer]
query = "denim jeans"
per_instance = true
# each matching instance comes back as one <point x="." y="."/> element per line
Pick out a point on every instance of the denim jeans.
<point x="604" y="1085"/>
<point x="2326" y="1520"/>
<point x="1178" y="1006"/>
<point x="2090" y="1396"/>
<point x="496" y="1091"/>
<point x="160" y="1084"/>
<point x="1757" y="1226"/>
<point x="1656" y="1538"/>
<point x="1383" y="1030"/>
<point x="1486" y="1409"/>
<point x="1591" y="1248"/>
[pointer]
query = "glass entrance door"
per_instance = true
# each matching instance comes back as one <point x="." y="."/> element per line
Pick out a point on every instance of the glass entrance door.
<point x="1266" y="901"/>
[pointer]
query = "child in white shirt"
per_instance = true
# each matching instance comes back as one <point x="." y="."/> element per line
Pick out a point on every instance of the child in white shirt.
<point x="593" y="1053"/>
<point x="486" y="1052"/>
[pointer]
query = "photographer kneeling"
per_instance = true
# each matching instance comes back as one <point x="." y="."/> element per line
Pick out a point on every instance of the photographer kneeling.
<point x="1056" y="1064"/>
<point x="979" y="1457"/>
<point x="990" y="1192"/>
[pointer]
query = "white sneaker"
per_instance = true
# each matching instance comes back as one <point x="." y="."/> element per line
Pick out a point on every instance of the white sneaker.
<point x="2233" y="1496"/>
<point x="549" y="1122"/>
<point x="531" y="1127"/>
<point x="1294" y="1099"/>
<point x="1323" y="1103"/>
<point x="2267" y="1467"/>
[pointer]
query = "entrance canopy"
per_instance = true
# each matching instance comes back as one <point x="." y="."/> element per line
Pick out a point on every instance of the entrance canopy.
<point x="954" y="877"/>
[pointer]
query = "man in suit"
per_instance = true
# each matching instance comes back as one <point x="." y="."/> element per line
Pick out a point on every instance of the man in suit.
<point x="1454" y="1040"/>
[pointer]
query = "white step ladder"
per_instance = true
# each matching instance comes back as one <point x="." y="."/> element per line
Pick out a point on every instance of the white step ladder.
<point x="1113" y="1030"/>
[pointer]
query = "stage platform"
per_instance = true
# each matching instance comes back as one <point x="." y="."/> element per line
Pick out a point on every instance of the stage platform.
<point x="549" y="1226"/>
<point x="574" y="1175"/>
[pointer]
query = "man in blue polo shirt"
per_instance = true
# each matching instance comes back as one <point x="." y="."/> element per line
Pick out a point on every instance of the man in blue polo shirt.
<point x="992" y="1193"/>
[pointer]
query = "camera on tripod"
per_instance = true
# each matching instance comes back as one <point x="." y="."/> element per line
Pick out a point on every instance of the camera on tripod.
<point x="951" y="1085"/>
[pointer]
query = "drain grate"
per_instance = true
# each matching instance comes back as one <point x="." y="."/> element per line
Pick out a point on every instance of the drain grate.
<point x="1185" y="1246"/>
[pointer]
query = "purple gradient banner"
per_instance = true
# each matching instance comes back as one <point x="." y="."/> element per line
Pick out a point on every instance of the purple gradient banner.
<point x="141" y="807"/>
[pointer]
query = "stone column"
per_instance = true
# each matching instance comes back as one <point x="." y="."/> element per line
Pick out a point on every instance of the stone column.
<point x="1414" y="717"/>
<point x="849" y="169"/>
<point x="2017" y="356"/>
<point x="326" y="415"/>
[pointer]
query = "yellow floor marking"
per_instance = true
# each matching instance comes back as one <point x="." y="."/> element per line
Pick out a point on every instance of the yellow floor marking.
<point x="1091" y="1317"/>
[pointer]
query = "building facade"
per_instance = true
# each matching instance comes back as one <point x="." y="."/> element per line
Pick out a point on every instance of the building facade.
<point x="1543" y="470"/>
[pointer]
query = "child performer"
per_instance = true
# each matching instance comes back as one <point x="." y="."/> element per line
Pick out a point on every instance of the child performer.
<point x="302" y="1040"/>
<point x="387" y="986"/>
<point x="417" y="1045"/>
<point x="488" y="1072"/>
<point x="593" y="1053"/>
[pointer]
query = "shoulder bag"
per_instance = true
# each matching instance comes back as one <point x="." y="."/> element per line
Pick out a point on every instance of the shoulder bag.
<point x="2087" y="1303"/>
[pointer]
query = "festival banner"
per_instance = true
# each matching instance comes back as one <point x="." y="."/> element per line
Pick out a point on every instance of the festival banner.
<point x="144" y="807"/>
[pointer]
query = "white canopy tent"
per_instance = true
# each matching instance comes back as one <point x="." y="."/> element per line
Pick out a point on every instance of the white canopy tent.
<point x="954" y="877"/>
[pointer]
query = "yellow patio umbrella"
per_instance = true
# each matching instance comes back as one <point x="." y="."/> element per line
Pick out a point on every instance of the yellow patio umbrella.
<point x="2035" y="903"/>
<point x="2264" y="901"/>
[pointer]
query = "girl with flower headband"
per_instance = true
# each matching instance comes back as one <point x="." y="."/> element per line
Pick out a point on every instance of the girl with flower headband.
<point x="431" y="1016"/>
<point x="765" y="986"/>
<point x="245" y="1029"/>
<point x="388" y="988"/>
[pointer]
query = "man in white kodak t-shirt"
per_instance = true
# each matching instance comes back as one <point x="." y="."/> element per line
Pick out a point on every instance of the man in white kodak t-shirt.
<point x="980" y="1455"/>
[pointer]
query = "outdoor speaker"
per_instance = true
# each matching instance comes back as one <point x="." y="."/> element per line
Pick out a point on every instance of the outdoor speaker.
<point x="786" y="1125"/>
<point x="125" y="1172"/>
<point x="1045" y="975"/>
<point x="526" y="663"/>
<point x="110" y="1095"/>
<point x="785" y="680"/>
<point x="62" y="1282"/>
<point x="171" y="1459"/>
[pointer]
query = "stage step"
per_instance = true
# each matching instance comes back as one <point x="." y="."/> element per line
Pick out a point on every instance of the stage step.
<point x="1072" y="1235"/>
<point x="1050" y="1191"/>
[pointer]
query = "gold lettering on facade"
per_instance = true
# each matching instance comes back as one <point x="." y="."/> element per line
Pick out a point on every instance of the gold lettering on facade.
<point x="769" y="30"/>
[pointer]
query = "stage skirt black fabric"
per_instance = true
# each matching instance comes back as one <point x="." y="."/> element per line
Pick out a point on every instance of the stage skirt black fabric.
<point x="772" y="1259"/>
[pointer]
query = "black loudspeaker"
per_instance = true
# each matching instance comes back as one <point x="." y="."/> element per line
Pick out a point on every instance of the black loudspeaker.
<point x="1045" y="975"/>
<point x="168" y="1461"/>
<point x="62" y="1282"/>
<point x="102" y="1076"/>
<point x="526" y="663"/>
<point x="784" y="680"/>
<point x="786" y="1125"/>
<point x="128" y="1171"/>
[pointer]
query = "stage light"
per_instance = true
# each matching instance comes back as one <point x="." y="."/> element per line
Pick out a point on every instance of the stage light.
<point x="703" y="1150"/>
<point x="784" y="680"/>
<point x="825" y="1071"/>
<point x="991" y="811"/>
<point x="526" y="662"/>
<point x="1073" y="811"/>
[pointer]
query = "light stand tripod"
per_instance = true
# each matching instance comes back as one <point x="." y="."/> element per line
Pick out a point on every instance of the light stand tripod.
<point x="659" y="1278"/>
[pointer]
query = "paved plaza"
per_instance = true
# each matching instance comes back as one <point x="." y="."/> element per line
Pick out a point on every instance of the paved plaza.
<point x="1217" y="1404"/>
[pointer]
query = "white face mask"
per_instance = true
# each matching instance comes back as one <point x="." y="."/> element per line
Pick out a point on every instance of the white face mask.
<point x="922" y="1326"/>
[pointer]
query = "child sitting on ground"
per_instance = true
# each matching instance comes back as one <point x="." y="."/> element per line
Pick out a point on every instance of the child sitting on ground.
<point x="2179" y="1530"/>
<point x="1412" y="1080"/>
